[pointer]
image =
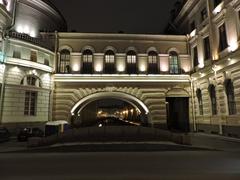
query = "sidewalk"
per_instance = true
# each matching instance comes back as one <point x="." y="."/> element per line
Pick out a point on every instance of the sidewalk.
<point x="217" y="142"/>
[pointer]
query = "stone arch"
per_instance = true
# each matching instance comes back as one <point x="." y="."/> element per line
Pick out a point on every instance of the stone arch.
<point x="131" y="48"/>
<point x="154" y="49"/>
<point x="173" y="49"/>
<point x="67" y="47"/>
<point x="111" y="48"/>
<point x="91" y="48"/>
<point x="115" y="95"/>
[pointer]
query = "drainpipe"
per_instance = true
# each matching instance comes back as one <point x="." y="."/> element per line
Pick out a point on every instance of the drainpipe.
<point x="3" y="81"/>
<point x="218" y="108"/>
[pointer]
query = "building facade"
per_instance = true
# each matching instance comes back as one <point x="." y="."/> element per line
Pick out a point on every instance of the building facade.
<point x="182" y="82"/>
<point x="213" y="27"/>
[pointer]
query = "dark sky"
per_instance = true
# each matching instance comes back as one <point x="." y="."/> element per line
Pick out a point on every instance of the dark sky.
<point x="130" y="16"/>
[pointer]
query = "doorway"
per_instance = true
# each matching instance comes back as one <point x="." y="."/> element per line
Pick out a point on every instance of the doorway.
<point x="178" y="114"/>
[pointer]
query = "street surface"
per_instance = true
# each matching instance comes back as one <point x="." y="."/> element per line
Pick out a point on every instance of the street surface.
<point x="169" y="165"/>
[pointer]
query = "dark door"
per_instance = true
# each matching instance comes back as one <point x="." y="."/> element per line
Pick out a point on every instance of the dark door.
<point x="178" y="114"/>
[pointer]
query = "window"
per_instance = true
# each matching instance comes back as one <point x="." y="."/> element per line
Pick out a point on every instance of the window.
<point x="217" y="2"/>
<point x="212" y="93"/>
<point x="230" y="97"/>
<point x="204" y="14"/>
<point x="195" y="56"/>
<point x="131" y="62"/>
<point x="64" y="64"/>
<point x="17" y="54"/>
<point x="174" y="63"/>
<point x="30" y="103"/>
<point x="222" y="38"/>
<point x="31" y="81"/>
<point x="46" y="62"/>
<point x="87" y="66"/>
<point x="152" y="62"/>
<point x="109" y="62"/>
<point x="200" y="101"/>
<point x="33" y="56"/>
<point x="207" y="52"/>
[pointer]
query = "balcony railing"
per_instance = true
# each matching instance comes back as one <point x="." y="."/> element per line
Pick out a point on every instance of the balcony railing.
<point x="45" y="43"/>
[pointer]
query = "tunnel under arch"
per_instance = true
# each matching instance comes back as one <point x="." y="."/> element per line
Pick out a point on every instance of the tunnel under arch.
<point x="135" y="102"/>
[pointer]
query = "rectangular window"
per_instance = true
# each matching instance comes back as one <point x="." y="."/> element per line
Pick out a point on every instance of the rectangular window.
<point x="207" y="49"/>
<point x="222" y="38"/>
<point x="16" y="54"/>
<point x="33" y="56"/>
<point x="109" y="59"/>
<point x="204" y="14"/>
<point x="195" y="56"/>
<point x="30" y="103"/>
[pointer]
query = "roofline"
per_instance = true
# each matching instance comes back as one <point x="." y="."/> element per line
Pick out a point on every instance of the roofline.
<point x="122" y="36"/>
<point x="56" y="9"/>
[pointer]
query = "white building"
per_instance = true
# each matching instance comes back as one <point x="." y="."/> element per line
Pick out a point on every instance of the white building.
<point x="183" y="82"/>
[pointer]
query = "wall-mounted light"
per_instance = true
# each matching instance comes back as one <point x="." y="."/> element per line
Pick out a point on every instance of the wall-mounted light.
<point x="193" y="33"/>
<point x="233" y="47"/>
<point x="218" y="9"/>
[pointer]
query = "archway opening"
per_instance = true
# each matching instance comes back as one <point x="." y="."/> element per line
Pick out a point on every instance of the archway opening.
<point x="108" y="112"/>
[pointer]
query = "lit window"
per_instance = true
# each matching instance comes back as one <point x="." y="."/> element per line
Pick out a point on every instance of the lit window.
<point x="230" y="97"/>
<point x="152" y="62"/>
<point x="200" y="101"/>
<point x="109" y="62"/>
<point x="212" y="94"/>
<point x="131" y="62"/>
<point x="30" y="103"/>
<point x="222" y="38"/>
<point x="87" y="66"/>
<point x="174" y="63"/>
<point x="33" y="56"/>
<point x="64" y="64"/>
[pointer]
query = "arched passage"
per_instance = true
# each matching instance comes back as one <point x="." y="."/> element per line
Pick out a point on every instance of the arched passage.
<point x="131" y="100"/>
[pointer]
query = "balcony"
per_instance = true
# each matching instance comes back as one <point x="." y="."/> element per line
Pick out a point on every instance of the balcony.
<point x="45" y="43"/>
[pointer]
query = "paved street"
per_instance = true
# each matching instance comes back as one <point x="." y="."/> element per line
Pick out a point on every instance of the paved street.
<point x="170" y="165"/>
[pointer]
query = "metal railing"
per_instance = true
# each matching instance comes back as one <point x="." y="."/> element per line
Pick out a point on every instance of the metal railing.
<point x="43" y="42"/>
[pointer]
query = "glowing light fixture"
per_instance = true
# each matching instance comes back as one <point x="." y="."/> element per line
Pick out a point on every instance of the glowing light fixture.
<point x="218" y="9"/>
<point x="193" y="33"/>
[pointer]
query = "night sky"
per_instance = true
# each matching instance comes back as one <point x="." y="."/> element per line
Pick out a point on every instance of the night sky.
<point x="129" y="16"/>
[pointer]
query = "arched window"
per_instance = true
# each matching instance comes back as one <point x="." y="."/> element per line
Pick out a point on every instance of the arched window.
<point x="212" y="94"/>
<point x="30" y="103"/>
<point x="152" y="62"/>
<point x="200" y="101"/>
<point x="230" y="97"/>
<point x="174" y="63"/>
<point x="109" y="62"/>
<point x="64" y="65"/>
<point x="31" y="80"/>
<point x="87" y="62"/>
<point x="132" y="62"/>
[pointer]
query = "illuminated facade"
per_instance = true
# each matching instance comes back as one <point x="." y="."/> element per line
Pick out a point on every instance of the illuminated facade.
<point x="183" y="82"/>
<point x="214" y="31"/>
